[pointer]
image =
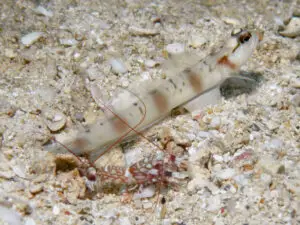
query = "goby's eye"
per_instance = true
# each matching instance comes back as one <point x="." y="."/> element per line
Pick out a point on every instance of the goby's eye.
<point x="244" y="37"/>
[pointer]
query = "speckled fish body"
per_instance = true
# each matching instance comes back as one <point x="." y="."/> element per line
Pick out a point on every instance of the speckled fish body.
<point x="138" y="111"/>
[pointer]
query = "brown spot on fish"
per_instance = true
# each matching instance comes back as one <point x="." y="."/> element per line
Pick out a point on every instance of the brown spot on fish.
<point x="194" y="79"/>
<point x="80" y="143"/>
<point x="226" y="62"/>
<point x="160" y="100"/>
<point x="119" y="125"/>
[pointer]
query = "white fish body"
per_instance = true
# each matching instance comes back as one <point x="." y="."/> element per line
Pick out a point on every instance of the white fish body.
<point x="136" y="111"/>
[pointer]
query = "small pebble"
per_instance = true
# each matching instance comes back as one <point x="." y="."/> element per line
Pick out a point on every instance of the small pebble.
<point x="68" y="42"/>
<point x="281" y="170"/>
<point x="218" y="158"/>
<point x="298" y="56"/>
<point x="79" y="116"/>
<point x="7" y="174"/>
<point x="275" y="144"/>
<point x="56" y="210"/>
<point x="118" y="66"/>
<point x="42" y="11"/>
<point x="215" y="123"/>
<point x="146" y="192"/>
<point x="30" y="38"/>
<point x="197" y="41"/>
<point x="295" y="83"/>
<point x="125" y="83"/>
<point x="175" y="48"/>
<point x="94" y="72"/>
<point x="266" y="178"/>
<point x="55" y="121"/>
<point x="9" y="216"/>
<point x="9" y="53"/>
<point x="30" y="221"/>
<point x="296" y="12"/>
<point x="36" y="189"/>
<point x="292" y="30"/>
<point x="204" y="134"/>
<point x="150" y="63"/>
<point x="19" y="171"/>
<point x="142" y="31"/>
<point x="231" y="21"/>
<point x="147" y="205"/>
<point x="6" y="108"/>
<point x="296" y="100"/>
<point x="225" y="174"/>
<point x="124" y="221"/>
<point x="214" y="203"/>
<point x="269" y="165"/>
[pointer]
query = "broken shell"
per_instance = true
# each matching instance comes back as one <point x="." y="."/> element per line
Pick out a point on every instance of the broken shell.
<point x="292" y="29"/>
<point x="150" y="63"/>
<point x="118" y="66"/>
<point x="30" y="38"/>
<point x="142" y="31"/>
<point x="225" y="174"/>
<point x="231" y="21"/>
<point x="68" y="42"/>
<point x="42" y="11"/>
<point x="36" y="189"/>
<point x="55" y="121"/>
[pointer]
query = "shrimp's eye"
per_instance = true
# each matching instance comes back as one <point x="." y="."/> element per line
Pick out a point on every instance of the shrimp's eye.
<point x="244" y="37"/>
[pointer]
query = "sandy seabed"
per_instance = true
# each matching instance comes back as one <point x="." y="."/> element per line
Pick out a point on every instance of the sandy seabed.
<point x="246" y="167"/>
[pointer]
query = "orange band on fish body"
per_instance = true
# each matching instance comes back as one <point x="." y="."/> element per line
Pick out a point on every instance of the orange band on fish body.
<point x="160" y="101"/>
<point x="194" y="80"/>
<point x="226" y="62"/>
<point x="119" y="125"/>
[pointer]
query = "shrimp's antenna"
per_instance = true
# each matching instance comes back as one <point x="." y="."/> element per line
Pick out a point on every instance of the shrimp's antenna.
<point x="124" y="122"/>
